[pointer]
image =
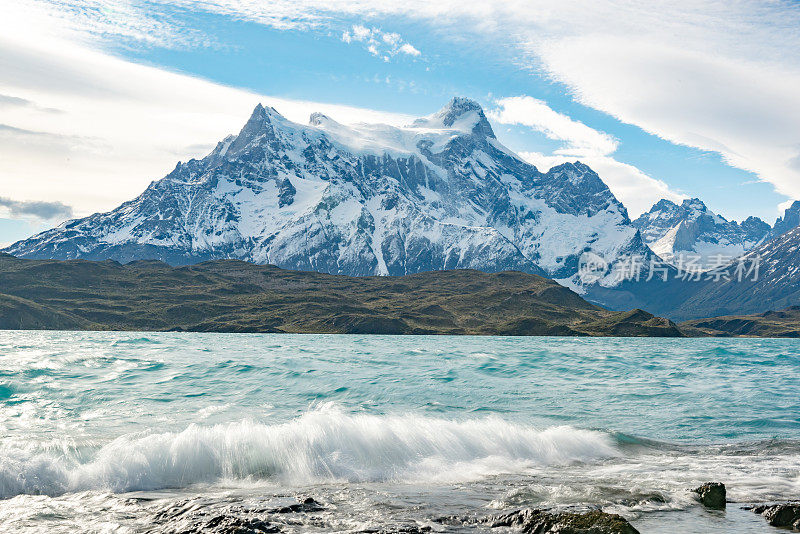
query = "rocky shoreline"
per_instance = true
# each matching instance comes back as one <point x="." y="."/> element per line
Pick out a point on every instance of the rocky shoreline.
<point x="192" y="516"/>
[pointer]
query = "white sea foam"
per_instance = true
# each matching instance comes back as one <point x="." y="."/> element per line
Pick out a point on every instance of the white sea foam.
<point x="325" y="444"/>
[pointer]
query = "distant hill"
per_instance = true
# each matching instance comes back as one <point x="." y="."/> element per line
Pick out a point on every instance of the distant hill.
<point x="235" y="296"/>
<point x="784" y="323"/>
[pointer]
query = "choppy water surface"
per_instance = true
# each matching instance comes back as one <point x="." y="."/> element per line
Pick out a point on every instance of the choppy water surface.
<point x="133" y="432"/>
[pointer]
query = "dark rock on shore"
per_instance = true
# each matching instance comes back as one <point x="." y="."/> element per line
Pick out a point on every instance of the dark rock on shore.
<point x="781" y="515"/>
<point x="226" y="524"/>
<point x="542" y="522"/>
<point x="403" y="529"/>
<point x="712" y="495"/>
<point x="230" y="516"/>
<point x="309" y="504"/>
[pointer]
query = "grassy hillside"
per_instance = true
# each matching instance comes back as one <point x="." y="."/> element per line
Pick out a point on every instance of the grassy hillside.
<point x="234" y="296"/>
<point x="785" y="323"/>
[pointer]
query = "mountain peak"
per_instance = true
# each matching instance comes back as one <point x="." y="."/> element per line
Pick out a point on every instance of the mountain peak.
<point x="790" y="219"/>
<point x="318" y="118"/>
<point x="670" y="229"/>
<point x="694" y="203"/>
<point x="460" y="113"/>
<point x="262" y="122"/>
<point x="663" y="205"/>
<point x="576" y="165"/>
<point x="261" y="112"/>
<point x="459" y="105"/>
<point x="794" y="208"/>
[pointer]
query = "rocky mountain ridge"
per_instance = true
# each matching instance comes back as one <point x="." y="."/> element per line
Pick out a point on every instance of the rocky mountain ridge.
<point x="678" y="232"/>
<point x="439" y="194"/>
<point x="364" y="199"/>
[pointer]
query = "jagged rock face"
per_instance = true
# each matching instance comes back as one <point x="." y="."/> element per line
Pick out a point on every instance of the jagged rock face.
<point x="673" y="230"/>
<point x="442" y="193"/>
<point x="790" y="220"/>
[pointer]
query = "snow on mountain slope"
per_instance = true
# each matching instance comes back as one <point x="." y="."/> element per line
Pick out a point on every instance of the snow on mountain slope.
<point x="772" y="282"/>
<point x="679" y="233"/>
<point x="367" y="199"/>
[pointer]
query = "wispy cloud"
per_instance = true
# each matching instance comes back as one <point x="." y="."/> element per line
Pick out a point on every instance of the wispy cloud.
<point x="580" y="139"/>
<point x="385" y="45"/>
<point x="8" y="101"/>
<point x="632" y="186"/>
<point x="36" y="208"/>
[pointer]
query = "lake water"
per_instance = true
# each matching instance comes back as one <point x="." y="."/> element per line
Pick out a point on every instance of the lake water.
<point x="176" y="432"/>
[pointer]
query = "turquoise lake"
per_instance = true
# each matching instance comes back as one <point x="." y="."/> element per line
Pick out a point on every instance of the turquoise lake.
<point x="158" y="432"/>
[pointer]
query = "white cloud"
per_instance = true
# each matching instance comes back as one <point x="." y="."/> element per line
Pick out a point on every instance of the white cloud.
<point x="392" y="39"/>
<point x="410" y="50"/>
<point x="635" y="189"/>
<point x="361" y="33"/>
<point x="580" y="139"/>
<point x="747" y="111"/>
<point x="379" y="43"/>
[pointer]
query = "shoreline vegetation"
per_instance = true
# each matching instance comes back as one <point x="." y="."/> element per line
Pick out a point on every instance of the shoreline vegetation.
<point x="236" y="296"/>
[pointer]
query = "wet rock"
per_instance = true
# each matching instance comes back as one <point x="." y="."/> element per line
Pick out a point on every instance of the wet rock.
<point x="305" y="506"/>
<point x="401" y="529"/>
<point x="712" y="495"/>
<point x="225" y="524"/>
<point x="781" y="515"/>
<point x="543" y="522"/>
<point x="204" y="516"/>
<point x="455" y="520"/>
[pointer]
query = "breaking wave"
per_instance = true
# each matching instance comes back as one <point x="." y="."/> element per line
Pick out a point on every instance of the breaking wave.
<point x="324" y="444"/>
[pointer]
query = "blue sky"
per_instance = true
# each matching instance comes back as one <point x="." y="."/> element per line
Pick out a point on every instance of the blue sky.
<point x="654" y="119"/>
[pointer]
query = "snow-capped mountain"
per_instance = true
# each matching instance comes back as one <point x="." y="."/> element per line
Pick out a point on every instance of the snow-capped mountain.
<point x="366" y="199"/>
<point x="679" y="233"/>
<point x="771" y="282"/>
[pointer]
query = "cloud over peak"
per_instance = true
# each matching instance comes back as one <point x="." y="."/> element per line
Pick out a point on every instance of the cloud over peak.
<point x="634" y="188"/>
<point x="580" y="140"/>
